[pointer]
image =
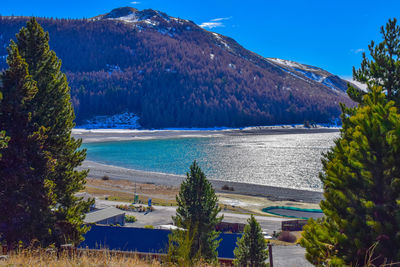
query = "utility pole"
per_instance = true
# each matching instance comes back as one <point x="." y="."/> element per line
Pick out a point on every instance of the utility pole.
<point x="134" y="196"/>
<point x="271" y="261"/>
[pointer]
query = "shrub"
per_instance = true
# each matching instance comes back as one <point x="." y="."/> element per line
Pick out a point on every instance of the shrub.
<point x="287" y="236"/>
<point x="148" y="227"/>
<point x="130" y="219"/>
<point x="227" y="187"/>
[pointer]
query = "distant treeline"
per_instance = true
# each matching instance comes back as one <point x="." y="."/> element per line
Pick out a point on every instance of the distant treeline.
<point x="175" y="77"/>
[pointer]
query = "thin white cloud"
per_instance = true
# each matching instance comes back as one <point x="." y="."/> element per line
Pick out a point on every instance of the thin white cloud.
<point x="211" y="25"/>
<point x="356" y="51"/>
<point x="214" y="23"/>
<point x="221" y="19"/>
<point x="135" y="3"/>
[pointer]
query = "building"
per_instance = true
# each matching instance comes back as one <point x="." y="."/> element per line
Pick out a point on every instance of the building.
<point x="149" y="241"/>
<point x="293" y="225"/>
<point x="230" y="227"/>
<point x="108" y="216"/>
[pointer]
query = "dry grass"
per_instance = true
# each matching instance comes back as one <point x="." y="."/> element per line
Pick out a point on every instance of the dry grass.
<point x="86" y="258"/>
<point x="121" y="190"/>
<point x="153" y="190"/>
<point x="41" y="258"/>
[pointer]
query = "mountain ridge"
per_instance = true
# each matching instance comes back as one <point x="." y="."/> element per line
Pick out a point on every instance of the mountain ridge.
<point x="123" y="13"/>
<point x="173" y="73"/>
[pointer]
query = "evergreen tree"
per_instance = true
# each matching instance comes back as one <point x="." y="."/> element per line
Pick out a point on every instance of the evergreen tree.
<point x="3" y="140"/>
<point x="180" y="247"/>
<point x="251" y="248"/>
<point x="52" y="109"/>
<point x="197" y="212"/>
<point x="26" y="193"/>
<point x="361" y="189"/>
<point x="319" y="238"/>
<point x="383" y="69"/>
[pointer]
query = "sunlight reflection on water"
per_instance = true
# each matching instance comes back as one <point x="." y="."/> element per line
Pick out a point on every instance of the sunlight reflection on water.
<point x="290" y="160"/>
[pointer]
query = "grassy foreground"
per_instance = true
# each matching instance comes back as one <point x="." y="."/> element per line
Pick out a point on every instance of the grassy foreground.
<point x="42" y="258"/>
<point x="103" y="258"/>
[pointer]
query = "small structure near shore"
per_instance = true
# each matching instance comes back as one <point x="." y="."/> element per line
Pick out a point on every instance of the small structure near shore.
<point x="108" y="216"/>
<point x="230" y="227"/>
<point x="293" y="225"/>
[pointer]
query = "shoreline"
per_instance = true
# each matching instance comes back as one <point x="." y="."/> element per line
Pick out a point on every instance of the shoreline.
<point x="114" y="135"/>
<point x="98" y="170"/>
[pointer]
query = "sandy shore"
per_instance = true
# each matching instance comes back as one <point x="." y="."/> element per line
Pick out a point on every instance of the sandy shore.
<point x="98" y="170"/>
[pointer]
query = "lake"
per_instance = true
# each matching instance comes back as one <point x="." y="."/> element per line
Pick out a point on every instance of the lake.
<point x="286" y="160"/>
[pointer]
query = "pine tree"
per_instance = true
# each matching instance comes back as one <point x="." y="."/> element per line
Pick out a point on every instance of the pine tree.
<point x="361" y="189"/>
<point x="3" y="138"/>
<point x="197" y="212"/>
<point x="383" y="69"/>
<point x="251" y="248"/>
<point x="180" y="247"/>
<point x="319" y="238"/>
<point x="26" y="193"/>
<point x="52" y="109"/>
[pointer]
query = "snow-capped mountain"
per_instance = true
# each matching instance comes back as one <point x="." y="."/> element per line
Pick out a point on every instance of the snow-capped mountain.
<point x="172" y="73"/>
<point x="144" y="19"/>
<point x="164" y="24"/>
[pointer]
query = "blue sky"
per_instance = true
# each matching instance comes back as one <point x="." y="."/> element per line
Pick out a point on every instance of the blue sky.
<point x="328" y="34"/>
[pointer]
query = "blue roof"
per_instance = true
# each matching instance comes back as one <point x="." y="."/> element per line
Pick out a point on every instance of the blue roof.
<point x="144" y="240"/>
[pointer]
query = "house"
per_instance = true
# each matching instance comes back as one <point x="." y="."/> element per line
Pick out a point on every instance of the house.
<point x="108" y="216"/>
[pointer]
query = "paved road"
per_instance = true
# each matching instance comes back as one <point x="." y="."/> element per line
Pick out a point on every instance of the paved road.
<point x="289" y="256"/>
<point x="162" y="215"/>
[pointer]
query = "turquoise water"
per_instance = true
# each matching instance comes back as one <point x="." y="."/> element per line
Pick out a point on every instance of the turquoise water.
<point x="289" y="160"/>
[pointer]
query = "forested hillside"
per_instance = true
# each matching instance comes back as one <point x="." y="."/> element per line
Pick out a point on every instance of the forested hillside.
<point x="172" y="73"/>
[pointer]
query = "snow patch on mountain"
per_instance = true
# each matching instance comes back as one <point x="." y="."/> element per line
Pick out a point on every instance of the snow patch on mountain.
<point x="151" y="22"/>
<point x="124" y="120"/>
<point x="130" y="18"/>
<point x="293" y="65"/>
<point x="311" y="75"/>
<point x="287" y="63"/>
<point x="328" y="83"/>
<point x="291" y="73"/>
<point x="221" y="40"/>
